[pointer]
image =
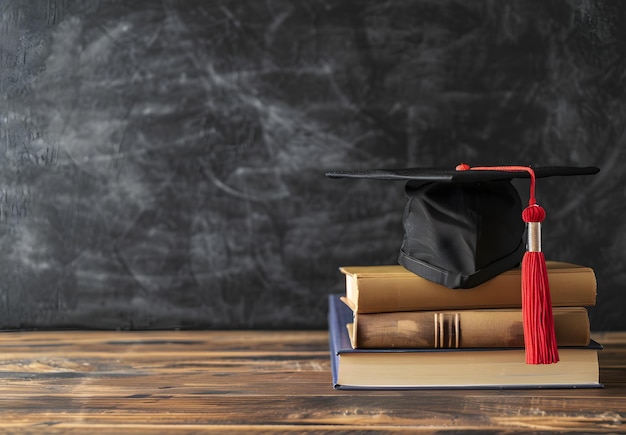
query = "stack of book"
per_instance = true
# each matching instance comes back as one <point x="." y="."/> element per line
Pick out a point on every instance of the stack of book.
<point x="393" y="329"/>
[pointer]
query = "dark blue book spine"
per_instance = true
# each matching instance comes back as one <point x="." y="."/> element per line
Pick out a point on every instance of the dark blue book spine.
<point x="335" y="335"/>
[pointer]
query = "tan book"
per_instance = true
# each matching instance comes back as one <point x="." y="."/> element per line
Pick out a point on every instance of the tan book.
<point x="372" y="289"/>
<point x="461" y="329"/>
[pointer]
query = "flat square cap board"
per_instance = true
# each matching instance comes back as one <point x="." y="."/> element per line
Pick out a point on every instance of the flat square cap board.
<point x="451" y="175"/>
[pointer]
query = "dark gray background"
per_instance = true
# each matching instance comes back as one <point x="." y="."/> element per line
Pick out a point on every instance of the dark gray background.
<point x="162" y="162"/>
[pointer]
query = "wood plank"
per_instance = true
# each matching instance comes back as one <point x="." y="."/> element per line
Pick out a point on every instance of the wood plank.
<point x="262" y="381"/>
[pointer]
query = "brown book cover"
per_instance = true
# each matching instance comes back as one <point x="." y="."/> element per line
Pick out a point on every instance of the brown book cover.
<point x="461" y="329"/>
<point x="372" y="289"/>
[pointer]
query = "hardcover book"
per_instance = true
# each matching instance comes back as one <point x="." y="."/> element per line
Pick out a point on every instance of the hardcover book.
<point x="371" y="289"/>
<point x="491" y="368"/>
<point x="462" y="328"/>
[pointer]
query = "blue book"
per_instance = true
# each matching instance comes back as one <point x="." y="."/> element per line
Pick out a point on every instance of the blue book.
<point x="475" y="368"/>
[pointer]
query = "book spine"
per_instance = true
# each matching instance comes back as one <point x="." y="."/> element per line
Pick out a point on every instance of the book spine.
<point x="461" y="329"/>
<point x="574" y="288"/>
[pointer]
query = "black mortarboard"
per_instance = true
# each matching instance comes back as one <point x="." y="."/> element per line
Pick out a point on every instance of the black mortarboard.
<point x="464" y="226"/>
<point x="461" y="227"/>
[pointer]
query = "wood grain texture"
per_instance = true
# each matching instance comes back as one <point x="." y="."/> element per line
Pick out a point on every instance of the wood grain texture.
<point x="261" y="381"/>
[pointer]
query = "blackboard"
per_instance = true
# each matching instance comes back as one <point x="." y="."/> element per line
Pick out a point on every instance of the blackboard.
<point x="163" y="162"/>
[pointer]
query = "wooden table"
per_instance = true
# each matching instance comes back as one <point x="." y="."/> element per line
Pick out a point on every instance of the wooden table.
<point x="263" y="381"/>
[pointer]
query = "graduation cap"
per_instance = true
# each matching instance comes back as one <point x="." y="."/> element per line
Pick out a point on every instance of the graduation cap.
<point x="465" y="225"/>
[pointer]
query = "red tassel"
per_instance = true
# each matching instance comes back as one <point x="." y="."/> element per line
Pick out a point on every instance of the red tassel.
<point x="539" y="334"/>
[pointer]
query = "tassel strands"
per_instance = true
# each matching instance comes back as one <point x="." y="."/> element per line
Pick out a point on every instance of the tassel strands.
<point x="539" y="334"/>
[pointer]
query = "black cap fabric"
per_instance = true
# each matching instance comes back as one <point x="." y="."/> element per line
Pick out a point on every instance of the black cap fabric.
<point x="461" y="228"/>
